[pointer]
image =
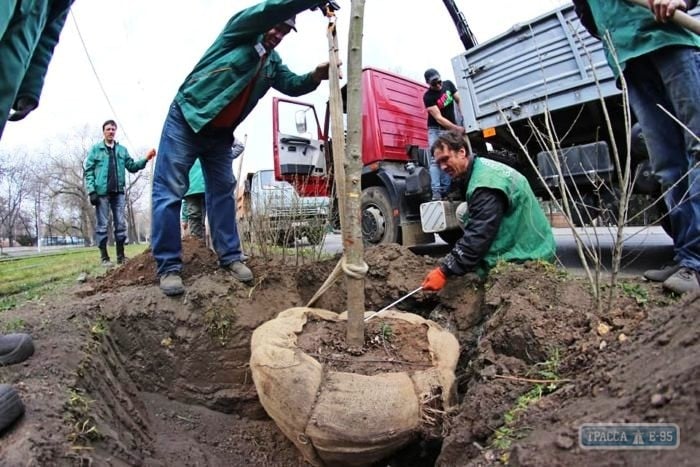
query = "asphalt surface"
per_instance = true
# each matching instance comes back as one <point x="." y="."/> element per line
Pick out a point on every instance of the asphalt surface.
<point x="643" y="248"/>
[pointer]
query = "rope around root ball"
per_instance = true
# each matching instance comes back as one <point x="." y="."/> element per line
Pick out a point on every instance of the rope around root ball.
<point x="355" y="271"/>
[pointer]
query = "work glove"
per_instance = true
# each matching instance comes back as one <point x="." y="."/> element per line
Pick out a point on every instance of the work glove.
<point x="150" y="154"/>
<point x="94" y="198"/>
<point x="434" y="281"/>
<point x="22" y="107"/>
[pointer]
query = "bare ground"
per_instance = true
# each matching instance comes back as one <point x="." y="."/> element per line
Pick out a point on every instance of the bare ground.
<point x="123" y="375"/>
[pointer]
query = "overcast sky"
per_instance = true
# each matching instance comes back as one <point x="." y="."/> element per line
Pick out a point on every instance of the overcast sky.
<point x="143" y="49"/>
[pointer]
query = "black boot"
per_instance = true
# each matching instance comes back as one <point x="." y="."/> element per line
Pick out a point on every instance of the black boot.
<point x="120" y="253"/>
<point x="104" y="257"/>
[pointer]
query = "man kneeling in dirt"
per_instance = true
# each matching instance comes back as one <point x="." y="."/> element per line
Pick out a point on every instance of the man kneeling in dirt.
<point x="504" y="221"/>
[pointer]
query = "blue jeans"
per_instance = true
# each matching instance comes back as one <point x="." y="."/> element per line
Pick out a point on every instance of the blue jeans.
<point x="670" y="77"/>
<point x="179" y="147"/>
<point x="116" y="203"/>
<point x="439" y="180"/>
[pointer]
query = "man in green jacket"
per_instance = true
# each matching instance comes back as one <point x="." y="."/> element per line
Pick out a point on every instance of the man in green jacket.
<point x="504" y="220"/>
<point x="660" y="63"/>
<point x="104" y="181"/>
<point x="222" y="89"/>
<point x="29" y="32"/>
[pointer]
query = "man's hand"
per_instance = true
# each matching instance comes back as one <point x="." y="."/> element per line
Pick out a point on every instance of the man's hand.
<point x="94" y="198"/>
<point x="150" y="154"/>
<point x="320" y="73"/>
<point x="665" y="9"/>
<point x="435" y="280"/>
<point x="22" y="108"/>
<point x="327" y="5"/>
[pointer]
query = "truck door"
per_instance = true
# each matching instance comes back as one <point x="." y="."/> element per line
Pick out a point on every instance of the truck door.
<point x="299" y="147"/>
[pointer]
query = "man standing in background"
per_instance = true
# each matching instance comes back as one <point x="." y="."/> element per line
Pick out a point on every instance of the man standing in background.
<point x="105" y="181"/>
<point x="440" y="99"/>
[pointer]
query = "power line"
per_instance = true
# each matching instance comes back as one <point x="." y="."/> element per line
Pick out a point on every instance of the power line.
<point x="99" y="81"/>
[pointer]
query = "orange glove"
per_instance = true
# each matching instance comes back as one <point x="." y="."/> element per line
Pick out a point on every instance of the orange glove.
<point x="150" y="154"/>
<point x="435" y="280"/>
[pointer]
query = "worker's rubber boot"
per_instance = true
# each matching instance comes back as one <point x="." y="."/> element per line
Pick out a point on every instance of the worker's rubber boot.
<point x="11" y="407"/>
<point x="15" y="348"/>
<point x="121" y="259"/>
<point x="104" y="257"/>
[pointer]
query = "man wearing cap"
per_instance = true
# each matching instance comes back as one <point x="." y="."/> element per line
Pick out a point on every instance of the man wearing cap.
<point x="222" y="89"/>
<point x="440" y="99"/>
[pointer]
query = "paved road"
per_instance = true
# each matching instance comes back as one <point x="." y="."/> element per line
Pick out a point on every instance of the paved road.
<point x="644" y="247"/>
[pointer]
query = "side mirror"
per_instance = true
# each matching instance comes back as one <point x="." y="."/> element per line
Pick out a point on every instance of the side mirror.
<point x="300" y="120"/>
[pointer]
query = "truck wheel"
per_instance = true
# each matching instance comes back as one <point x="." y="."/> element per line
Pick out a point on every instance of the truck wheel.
<point x="378" y="222"/>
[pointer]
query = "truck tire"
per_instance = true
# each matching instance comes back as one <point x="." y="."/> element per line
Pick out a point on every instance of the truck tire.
<point x="378" y="222"/>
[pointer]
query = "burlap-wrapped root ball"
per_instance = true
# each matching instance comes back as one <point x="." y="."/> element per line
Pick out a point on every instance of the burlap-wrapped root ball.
<point x="338" y="418"/>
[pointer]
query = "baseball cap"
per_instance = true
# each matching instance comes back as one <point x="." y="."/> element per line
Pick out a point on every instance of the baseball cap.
<point x="430" y="75"/>
<point x="292" y="23"/>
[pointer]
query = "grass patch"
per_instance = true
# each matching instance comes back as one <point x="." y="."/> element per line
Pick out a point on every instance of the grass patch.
<point x="32" y="277"/>
<point x="504" y="436"/>
<point x="79" y="418"/>
<point x="635" y="291"/>
<point x="219" y="322"/>
<point x="15" y="325"/>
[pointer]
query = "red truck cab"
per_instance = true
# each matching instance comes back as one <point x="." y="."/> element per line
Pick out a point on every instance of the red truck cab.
<point x="395" y="178"/>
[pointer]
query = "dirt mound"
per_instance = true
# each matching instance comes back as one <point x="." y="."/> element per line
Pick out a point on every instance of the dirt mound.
<point x="542" y="335"/>
<point x="126" y="376"/>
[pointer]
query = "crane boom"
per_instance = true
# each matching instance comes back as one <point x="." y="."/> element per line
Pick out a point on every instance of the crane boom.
<point x="465" y="34"/>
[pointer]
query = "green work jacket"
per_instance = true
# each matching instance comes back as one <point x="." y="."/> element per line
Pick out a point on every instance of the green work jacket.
<point x="29" y="31"/>
<point x="634" y="31"/>
<point x="231" y="62"/>
<point x="196" y="179"/>
<point x="96" y="167"/>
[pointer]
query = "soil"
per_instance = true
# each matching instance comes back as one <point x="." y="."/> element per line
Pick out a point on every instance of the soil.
<point x="123" y="375"/>
<point x="391" y="345"/>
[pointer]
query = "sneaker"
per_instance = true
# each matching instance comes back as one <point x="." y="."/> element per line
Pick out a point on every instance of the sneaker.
<point x="122" y="259"/>
<point x="660" y="275"/>
<point x="683" y="281"/>
<point x="105" y="263"/>
<point x="436" y="197"/>
<point x="171" y="284"/>
<point x="239" y="270"/>
<point x="11" y="407"/>
<point x="15" y="348"/>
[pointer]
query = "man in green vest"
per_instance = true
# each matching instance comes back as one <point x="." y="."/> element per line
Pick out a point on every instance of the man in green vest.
<point x="29" y="32"/>
<point x="504" y="221"/>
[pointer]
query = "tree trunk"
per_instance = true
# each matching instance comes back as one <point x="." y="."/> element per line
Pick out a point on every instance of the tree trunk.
<point x="352" y="236"/>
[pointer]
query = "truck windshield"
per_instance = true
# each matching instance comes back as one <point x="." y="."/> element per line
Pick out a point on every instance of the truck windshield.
<point x="268" y="182"/>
